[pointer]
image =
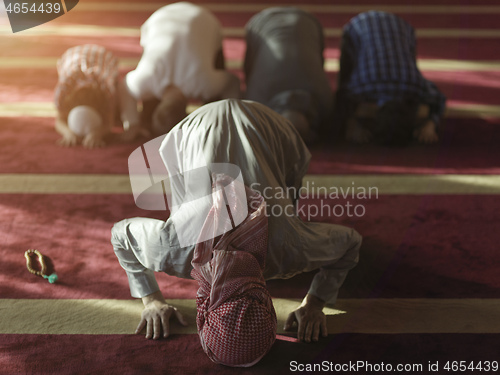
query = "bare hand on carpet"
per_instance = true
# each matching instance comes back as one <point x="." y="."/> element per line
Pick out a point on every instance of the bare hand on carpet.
<point x="156" y="316"/>
<point x="68" y="140"/>
<point x="68" y="137"/>
<point x="426" y="133"/>
<point x="93" y="140"/>
<point x="310" y="319"/>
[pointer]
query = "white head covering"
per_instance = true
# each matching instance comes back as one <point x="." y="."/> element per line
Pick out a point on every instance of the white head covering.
<point x="83" y="119"/>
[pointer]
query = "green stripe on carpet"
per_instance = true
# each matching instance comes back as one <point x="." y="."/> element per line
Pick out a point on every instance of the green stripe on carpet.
<point x="349" y="9"/>
<point x="232" y="32"/>
<point x="386" y="316"/>
<point x="47" y="109"/>
<point x="331" y="65"/>
<point x="316" y="185"/>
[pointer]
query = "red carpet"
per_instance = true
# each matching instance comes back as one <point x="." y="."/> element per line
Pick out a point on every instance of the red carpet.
<point x="428" y="48"/>
<point x="133" y="355"/>
<point x="29" y="146"/>
<point x="446" y="238"/>
<point x="462" y="87"/>
<point x="468" y="146"/>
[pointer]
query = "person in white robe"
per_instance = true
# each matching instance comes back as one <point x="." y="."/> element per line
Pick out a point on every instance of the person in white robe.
<point x="182" y="60"/>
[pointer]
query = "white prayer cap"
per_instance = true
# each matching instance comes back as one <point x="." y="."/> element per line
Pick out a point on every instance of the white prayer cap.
<point x="83" y="119"/>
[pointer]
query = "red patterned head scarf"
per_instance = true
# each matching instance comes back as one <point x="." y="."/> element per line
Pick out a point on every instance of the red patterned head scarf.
<point x="235" y="318"/>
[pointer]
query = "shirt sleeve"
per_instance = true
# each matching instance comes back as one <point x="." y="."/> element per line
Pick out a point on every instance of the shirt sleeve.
<point x="327" y="282"/>
<point x="220" y="84"/>
<point x="344" y="106"/>
<point x="141" y="81"/>
<point x="145" y="246"/>
<point x="252" y="42"/>
<point x="133" y="260"/>
<point x="128" y="106"/>
<point x="436" y="101"/>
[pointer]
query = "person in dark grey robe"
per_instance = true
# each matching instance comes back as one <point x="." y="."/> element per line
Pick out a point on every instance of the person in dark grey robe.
<point x="284" y="67"/>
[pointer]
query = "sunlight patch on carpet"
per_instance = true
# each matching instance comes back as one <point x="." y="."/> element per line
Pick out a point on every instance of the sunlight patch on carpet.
<point x="315" y="186"/>
<point x="47" y="109"/>
<point x="375" y="316"/>
<point x="331" y="64"/>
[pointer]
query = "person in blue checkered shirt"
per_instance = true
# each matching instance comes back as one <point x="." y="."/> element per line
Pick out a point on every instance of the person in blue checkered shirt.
<point x="382" y="95"/>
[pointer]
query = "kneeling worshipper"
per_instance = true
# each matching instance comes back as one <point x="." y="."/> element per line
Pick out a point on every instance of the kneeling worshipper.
<point x="284" y="68"/>
<point x="85" y="95"/>
<point x="382" y="95"/>
<point x="223" y="161"/>
<point x="182" y="60"/>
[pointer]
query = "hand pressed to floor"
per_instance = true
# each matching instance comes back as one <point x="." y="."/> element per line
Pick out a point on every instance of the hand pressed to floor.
<point x="310" y="319"/>
<point x="426" y="133"/>
<point x="156" y="316"/>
